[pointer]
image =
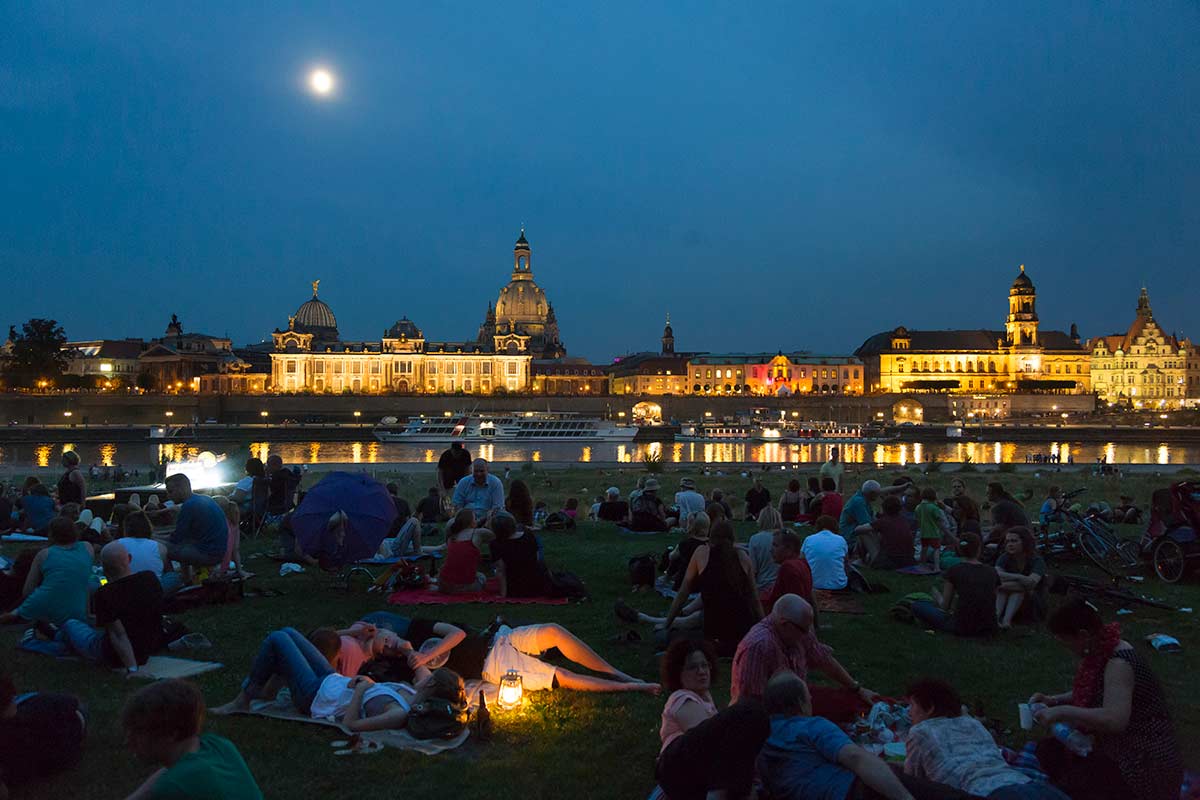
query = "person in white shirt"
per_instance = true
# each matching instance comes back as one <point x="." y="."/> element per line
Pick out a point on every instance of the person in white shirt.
<point x="826" y="553"/>
<point x="834" y="468"/>
<point x="688" y="500"/>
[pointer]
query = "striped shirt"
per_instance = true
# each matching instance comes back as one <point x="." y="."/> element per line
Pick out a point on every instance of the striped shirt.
<point x="762" y="653"/>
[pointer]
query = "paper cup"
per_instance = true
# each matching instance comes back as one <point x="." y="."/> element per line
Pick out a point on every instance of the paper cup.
<point x="1026" y="712"/>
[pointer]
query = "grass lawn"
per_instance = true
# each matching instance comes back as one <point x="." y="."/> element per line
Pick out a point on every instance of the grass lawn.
<point x="594" y="746"/>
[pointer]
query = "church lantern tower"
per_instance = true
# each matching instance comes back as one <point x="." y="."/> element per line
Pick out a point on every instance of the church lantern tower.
<point x="668" y="338"/>
<point x="521" y="261"/>
<point x="1022" y="323"/>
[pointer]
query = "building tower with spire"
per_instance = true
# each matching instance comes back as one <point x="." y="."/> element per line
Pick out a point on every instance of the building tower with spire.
<point x="1145" y="367"/>
<point x="668" y="338"/>
<point x="1022" y="323"/>
<point x="523" y="319"/>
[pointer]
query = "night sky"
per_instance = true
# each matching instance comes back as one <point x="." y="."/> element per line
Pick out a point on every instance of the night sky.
<point x="792" y="176"/>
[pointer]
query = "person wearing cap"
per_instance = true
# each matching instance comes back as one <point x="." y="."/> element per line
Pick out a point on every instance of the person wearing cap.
<point x="648" y="513"/>
<point x="687" y="500"/>
<point x="613" y="508"/>
<point x="858" y="509"/>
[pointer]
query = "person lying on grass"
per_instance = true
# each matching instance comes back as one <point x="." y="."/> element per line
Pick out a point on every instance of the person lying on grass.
<point x="318" y="690"/>
<point x="490" y="655"/>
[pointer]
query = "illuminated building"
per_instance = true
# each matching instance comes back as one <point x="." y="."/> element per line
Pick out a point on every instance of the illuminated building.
<point x="664" y="372"/>
<point x="176" y="361"/>
<point x="1020" y="358"/>
<point x="1143" y="367"/>
<point x="115" y="359"/>
<point x="568" y="376"/>
<point x="778" y="374"/>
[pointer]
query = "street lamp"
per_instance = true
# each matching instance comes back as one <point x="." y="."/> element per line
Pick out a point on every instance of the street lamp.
<point x="358" y="417"/>
<point x="264" y="416"/>
<point x="170" y="414"/>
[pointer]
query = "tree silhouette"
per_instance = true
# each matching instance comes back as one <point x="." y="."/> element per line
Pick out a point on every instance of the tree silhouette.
<point x="35" y="353"/>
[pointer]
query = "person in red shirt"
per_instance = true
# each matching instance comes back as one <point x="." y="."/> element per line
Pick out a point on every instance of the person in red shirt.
<point x="795" y="576"/>
<point x="831" y="499"/>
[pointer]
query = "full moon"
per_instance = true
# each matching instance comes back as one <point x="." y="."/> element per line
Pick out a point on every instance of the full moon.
<point x="321" y="82"/>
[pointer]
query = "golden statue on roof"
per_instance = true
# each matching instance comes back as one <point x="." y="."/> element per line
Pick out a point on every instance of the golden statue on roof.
<point x="316" y="284"/>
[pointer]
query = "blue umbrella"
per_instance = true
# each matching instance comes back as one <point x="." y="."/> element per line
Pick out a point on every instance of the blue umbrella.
<point x="368" y="515"/>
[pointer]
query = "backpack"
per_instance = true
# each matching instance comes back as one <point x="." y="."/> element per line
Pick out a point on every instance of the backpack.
<point x="567" y="584"/>
<point x="436" y="718"/>
<point x="642" y="570"/>
<point x="558" y="521"/>
<point x="409" y="575"/>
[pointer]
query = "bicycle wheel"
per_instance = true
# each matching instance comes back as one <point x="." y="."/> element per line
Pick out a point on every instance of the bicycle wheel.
<point x="1169" y="560"/>
<point x="1099" y="552"/>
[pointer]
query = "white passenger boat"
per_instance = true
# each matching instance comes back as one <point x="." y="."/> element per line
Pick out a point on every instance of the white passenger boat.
<point x="530" y="426"/>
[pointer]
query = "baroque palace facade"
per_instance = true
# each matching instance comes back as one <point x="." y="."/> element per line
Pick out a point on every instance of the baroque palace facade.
<point x="1022" y="357"/>
<point x="1144" y="367"/>
<point x="310" y="355"/>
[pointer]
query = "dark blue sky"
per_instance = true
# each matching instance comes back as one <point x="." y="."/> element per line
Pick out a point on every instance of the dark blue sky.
<point x="776" y="176"/>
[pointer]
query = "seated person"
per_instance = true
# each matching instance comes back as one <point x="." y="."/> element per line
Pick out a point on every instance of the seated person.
<point x="1049" y="513"/>
<point x="37" y="509"/>
<point x="827" y="553"/>
<point x="201" y="531"/>
<point x="791" y="502"/>
<point x="953" y="748"/>
<point x="571" y="507"/>
<point x="717" y="496"/>
<point x="973" y="585"/>
<point x="231" y="562"/>
<point x="681" y="554"/>
<point x="40" y="734"/>
<point x="128" y="616"/>
<point x="405" y="542"/>
<point x="519" y="569"/>
<point x="282" y="484"/>
<point x="429" y="510"/>
<point x="490" y="655"/>
<point x="148" y="554"/>
<point x="648" y="512"/>
<point x="794" y="575"/>
<point x="464" y="546"/>
<point x="761" y="548"/>
<point x="613" y="509"/>
<point x="807" y="757"/>
<point x="704" y="750"/>
<point x="1127" y="511"/>
<point x="243" y="491"/>
<point x="594" y="511"/>
<point x="318" y="690"/>
<point x="163" y="725"/>
<point x="687" y="500"/>
<point x="888" y="541"/>
<point x="1021" y="571"/>
<point x="56" y="588"/>
<point x="785" y="640"/>
<point x="757" y="498"/>
<point x="830" y="501"/>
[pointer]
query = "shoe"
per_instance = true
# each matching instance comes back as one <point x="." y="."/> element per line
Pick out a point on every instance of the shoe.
<point x="45" y="631"/>
<point x="624" y="612"/>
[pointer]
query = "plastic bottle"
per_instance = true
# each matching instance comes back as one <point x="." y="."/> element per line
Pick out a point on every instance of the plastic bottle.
<point x="1076" y="741"/>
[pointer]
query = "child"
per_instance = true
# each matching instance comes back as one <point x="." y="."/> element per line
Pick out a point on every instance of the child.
<point x="233" y="550"/>
<point x="571" y="508"/>
<point x="932" y="527"/>
<point x="163" y="724"/>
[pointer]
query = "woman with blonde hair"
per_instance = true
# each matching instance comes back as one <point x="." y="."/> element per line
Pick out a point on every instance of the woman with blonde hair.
<point x="766" y="570"/>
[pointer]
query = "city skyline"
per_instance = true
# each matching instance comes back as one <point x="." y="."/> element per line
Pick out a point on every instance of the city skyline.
<point x="803" y="179"/>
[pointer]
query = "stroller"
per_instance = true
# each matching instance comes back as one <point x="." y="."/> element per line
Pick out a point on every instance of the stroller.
<point x="1172" y="537"/>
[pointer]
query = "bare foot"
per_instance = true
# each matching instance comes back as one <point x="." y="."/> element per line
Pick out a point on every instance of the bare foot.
<point x="239" y="703"/>
<point x="650" y="688"/>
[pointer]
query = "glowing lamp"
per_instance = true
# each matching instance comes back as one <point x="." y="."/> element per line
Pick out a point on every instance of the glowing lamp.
<point x="511" y="690"/>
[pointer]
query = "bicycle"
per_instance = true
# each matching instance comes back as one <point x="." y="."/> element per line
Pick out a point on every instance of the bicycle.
<point x="1089" y="536"/>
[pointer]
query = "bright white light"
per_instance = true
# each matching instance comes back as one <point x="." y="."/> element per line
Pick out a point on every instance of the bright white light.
<point x="321" y="82"/>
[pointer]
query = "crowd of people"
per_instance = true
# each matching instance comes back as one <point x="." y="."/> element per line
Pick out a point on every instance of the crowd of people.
<point x="754" y="603"/>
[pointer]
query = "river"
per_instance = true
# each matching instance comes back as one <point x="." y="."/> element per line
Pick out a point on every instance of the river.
<point x="368" y="451"/>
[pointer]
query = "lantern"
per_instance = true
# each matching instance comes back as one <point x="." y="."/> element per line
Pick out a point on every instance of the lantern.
<point x="510" y="690"/>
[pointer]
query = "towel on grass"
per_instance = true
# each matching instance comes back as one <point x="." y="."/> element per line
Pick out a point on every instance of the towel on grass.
<point x="161" y="667"/>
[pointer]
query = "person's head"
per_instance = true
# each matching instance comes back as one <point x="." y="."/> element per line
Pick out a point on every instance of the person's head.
<point x="870" y="490"/>
<point x="572" y="504"/>
<point x="393" y="489"/>
<point x="720" y="533"/>
<point x="462" y="521"/>
<point x="70" y="459"/>
<point x="456" y="446"/>
<point x="479" y="471"/>
<point x="785" y="545"/>
<point x="62" y="531"/>
<point x="814" y="484"/>
<point x="826" y="523"/>
<point x="786" y="693"/>
<point x="828" y="484"/>
<point x="29" y="483"/>
<point x="930" y="697"/>
<point x="274" y="464"/>
<point x="443" y="684"/>
<point x="957" y="487"/>
<point x="39" y="490"/>
<point x="651" y="486"/>
<point x="641" y="482"/>
<point x="718" y="495"/>
<point x="769" y="519"/>
<point x="504" y="525"/>
<point x="929" y="493"/>
<point x="793" y="485"/>
<point x="159" y="717"/>
<point x="698" y="525"/>
<point x="70" y="511"/>
<point x="1076" y="624"/>
<point x="969" y="545"/>
<point x="1018" y="542"/>
<point x="179" y="487"/>
<point x="116" y="560"/>
<point x="136" y="524"/>
<point x="1053" y="493"/>
<point x="714" y="510"/>
<point x="328" y="644"/>
<point x="995" y="491"/>
<point x="255" y="468"/>
<point x="833" y="454"/>
<point x="792" y="618"/>
<point x="228" y="508"/>
<point x="689" y="664"/>
<point x="433" y="491"/>
<point x="758" y="483"/>
<point x="613" y="494"/>
<point x="892" y="506"/>
<point x="519" y="495"/>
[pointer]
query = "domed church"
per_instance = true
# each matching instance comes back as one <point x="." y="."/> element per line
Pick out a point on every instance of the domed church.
<point x="522" y="319"/>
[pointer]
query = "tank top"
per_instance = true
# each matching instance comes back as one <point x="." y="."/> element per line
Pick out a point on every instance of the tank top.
<point x="462" y="562"/>
<point x="335" y="695"/>
<point x="63" y="592"/>
<point x="69" y="492"/>
<point x="1146" y="752"/>
<point x="144" y="555"/>
<point x="789" y="506"/>
<point x="728" y="610"/>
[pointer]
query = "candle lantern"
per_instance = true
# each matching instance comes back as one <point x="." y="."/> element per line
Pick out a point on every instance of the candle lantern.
<point x="511" y="690"/>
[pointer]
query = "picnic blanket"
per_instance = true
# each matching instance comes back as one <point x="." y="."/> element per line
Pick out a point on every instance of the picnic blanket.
<point x="631" y="532"/>
<point x="837" y="602"/>
<point x="281" y="708"/>
<point x="919" y="569"/>
<point x="23" y="537"/>
<point x="161" y="667"/>
<point x="433" y="597"/>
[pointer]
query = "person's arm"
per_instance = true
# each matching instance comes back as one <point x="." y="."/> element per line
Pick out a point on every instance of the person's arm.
<point x="497" y="492"/>
<point x="394" y="717"/>
<point x="459" y="498"/>
<point x="35" y="573"/>
<point x="1051" y="699"/>
<point x="451" y="637"/>
<point x="121" y="644"/>
<point x="362" y="631"/>
<point x="1110" y="718"/>
<point x="748" y="568"/>
<point x="873" y="771"/>
<point x="861" y="529"/>
<point x="685" y="588"/>
<point x="947" y="595"/>
<point x="502" y="578"/>
<point x="833" y="669"/>
<point x="168" y="564"/>
<point x="146" y="790"/>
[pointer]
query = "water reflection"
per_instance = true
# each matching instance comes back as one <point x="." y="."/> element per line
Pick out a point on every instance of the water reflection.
<point x="42" y="455"/>
<point x="108" y="453"/>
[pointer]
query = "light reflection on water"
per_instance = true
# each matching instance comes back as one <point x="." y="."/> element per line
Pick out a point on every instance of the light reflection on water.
<point x="133" y="454"/>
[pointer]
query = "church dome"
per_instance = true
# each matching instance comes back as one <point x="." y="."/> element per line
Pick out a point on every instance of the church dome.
<point x="1022" y="281"/>
<point x="521" y="300"/>
<point x="405" y="328"/>
<point x="316" y="317"/>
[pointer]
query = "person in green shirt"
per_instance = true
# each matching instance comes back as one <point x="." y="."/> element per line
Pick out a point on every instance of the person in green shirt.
<point x="163" y="724"/>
